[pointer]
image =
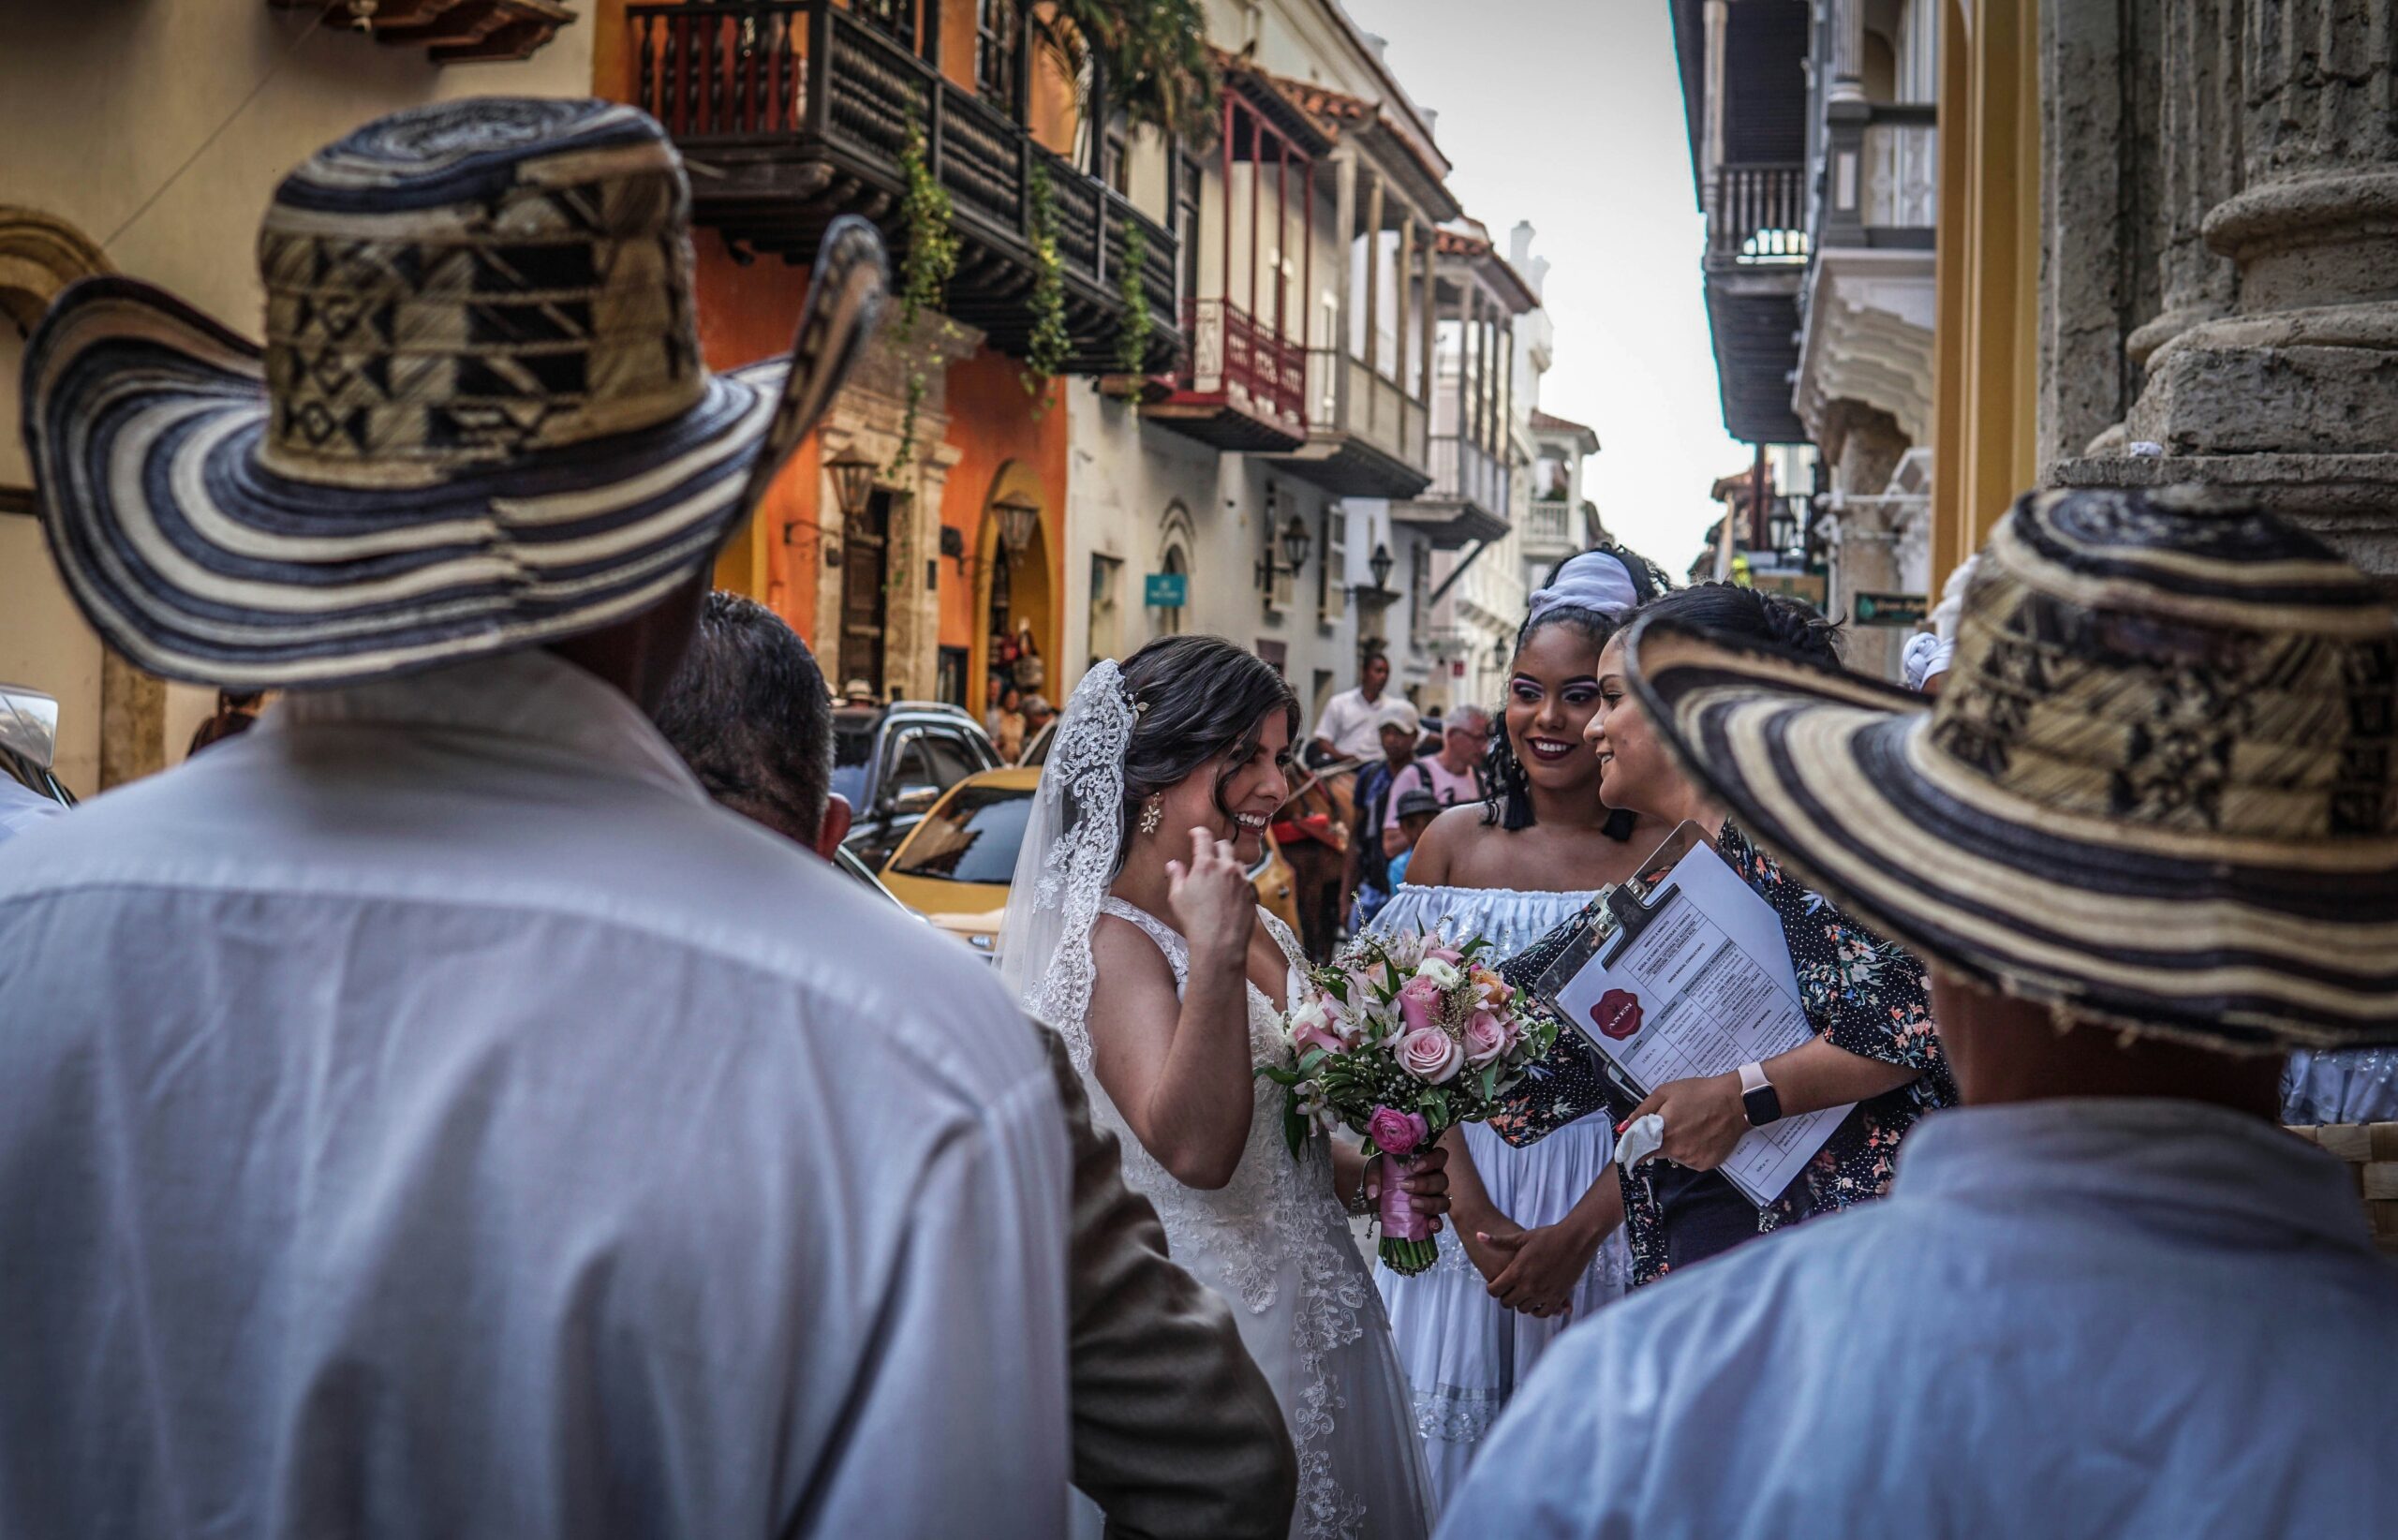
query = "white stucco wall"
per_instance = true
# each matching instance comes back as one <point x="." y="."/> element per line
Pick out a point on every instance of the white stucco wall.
<point x="1130" y="482"/>
<point x="101" y="106"/>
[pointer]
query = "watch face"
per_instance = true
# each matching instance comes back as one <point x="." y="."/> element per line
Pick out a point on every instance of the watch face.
<point x="1763" y="1105"/>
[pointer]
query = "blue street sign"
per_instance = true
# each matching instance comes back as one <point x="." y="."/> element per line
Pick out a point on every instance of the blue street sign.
<point x="1165" y="590"/>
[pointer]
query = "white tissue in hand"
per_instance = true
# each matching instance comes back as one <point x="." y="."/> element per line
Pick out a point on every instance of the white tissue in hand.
<point x="1641" y="1140"/>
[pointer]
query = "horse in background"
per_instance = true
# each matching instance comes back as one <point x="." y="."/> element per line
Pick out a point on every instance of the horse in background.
<point x="1313" y="829"/>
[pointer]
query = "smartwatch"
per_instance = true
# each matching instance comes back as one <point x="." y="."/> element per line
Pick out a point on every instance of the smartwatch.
<point x="1758" y="1098"/>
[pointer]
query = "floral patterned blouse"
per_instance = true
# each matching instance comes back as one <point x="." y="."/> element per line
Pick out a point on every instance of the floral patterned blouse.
<point x="1862" y="994"/>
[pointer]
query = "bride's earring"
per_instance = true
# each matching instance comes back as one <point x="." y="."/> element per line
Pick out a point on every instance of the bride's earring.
<point x="1152" y="814"/>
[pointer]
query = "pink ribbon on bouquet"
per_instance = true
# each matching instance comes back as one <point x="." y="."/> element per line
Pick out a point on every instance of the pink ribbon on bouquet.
<point x="1399" y="1135"/>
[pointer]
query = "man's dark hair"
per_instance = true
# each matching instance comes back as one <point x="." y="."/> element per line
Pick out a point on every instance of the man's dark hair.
<point x="751" y="714"/>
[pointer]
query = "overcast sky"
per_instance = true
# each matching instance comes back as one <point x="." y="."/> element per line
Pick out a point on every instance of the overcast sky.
<point x="1569" y="113"/>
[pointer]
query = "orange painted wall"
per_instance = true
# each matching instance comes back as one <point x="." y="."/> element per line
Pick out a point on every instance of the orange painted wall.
<point x="749" y="313"/>
<point x="991" y="423"/>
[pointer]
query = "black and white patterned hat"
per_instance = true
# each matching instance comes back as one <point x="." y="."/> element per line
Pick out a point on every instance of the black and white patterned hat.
<point x="2159" y="790"/>
<point x="479" y="423"/>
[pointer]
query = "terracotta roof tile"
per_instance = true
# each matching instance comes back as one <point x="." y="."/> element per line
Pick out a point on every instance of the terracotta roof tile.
<point x="1551" y="422"/>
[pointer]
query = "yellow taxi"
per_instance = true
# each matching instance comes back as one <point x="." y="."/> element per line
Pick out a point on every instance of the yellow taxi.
<point x="955" y="866"/>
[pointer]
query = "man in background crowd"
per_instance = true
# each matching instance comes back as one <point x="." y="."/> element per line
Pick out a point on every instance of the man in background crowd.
<point x="237" y="711"/>
<point x="1451" y="777"/>
<point x="1369" y="860"/>
<point x="1350" y="726"/>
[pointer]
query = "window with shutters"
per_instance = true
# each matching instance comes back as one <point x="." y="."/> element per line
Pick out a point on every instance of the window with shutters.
<point x="1332" y="577"/>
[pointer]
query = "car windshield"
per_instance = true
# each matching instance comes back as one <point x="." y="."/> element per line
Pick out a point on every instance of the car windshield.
<point x="971" y="837"/>
<point x="852" y="746"/>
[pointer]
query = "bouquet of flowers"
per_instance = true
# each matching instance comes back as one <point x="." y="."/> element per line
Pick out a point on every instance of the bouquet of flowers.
<point x="1400" y="1037"/>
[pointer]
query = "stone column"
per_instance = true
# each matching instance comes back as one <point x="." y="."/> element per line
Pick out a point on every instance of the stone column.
<point x="2198" y="163"/>
<point x="1864" y="444"/>
<point x="2291" y="398"/>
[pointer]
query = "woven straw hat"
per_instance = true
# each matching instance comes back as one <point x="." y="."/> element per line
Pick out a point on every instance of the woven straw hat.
<point x="479" y="421"/>
<point x="2160" y="789"/>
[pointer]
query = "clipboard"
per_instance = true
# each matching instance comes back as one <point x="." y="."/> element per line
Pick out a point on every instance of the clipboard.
<point x="1623" y="911"/>
<point x="1682" y="983"/>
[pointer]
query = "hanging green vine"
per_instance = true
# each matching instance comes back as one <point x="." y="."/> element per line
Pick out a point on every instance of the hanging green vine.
<point x="1132" y="286"/>
<point x="925" y="271"/>
<point x="1051" y="342"/>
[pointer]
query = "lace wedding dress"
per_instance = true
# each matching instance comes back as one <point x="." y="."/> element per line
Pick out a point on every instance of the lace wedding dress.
<point x="1463" y="1352"/>
<point x="1274" y="1241"/>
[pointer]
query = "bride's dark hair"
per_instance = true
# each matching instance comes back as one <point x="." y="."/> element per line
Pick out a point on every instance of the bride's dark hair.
<point x="1198" y="697"/>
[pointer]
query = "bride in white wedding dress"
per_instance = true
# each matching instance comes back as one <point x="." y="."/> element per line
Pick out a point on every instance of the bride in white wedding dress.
<point x="1132" y="930"/>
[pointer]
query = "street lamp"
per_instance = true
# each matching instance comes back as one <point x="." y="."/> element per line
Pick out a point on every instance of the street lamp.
<point x="1379" y="564"/>
<point x="852" y="474"/>
<point x="1017" y="521"/>
<point x="1296" y="544"/>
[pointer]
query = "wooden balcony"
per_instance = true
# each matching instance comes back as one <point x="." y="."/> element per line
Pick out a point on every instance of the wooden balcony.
<point x="791" y="112"/>
<point x="450" y="31"/>
<point x="1242" y="389"/>
<point x="1466" y="499"/>
<point x="1758" y="249"/>
<point x="1366" y="435"/>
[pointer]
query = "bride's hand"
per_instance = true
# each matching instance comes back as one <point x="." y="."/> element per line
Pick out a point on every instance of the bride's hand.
<point x="1213" y="904"/>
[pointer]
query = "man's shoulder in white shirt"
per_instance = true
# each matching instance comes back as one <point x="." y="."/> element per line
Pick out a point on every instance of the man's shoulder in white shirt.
<point x="1898" y="1330"/>
<point x="513" y="1076"/>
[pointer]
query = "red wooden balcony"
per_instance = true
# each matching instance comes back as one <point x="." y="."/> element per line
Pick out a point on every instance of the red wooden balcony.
<point x="791" y="112"/>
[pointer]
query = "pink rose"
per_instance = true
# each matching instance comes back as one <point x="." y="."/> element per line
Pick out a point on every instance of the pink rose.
<point x="1486" y="1038"/>
<point x="1397" y="1132"/>
<point x="1419" y="1003"/>
<point x="1430" y="1056"/>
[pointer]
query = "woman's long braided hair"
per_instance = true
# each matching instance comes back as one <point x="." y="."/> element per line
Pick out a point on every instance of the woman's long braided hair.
<point x="1508" y="802"/>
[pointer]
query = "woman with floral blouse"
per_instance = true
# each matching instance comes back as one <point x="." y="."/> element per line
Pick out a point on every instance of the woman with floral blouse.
<point x="1875" y="1045"/>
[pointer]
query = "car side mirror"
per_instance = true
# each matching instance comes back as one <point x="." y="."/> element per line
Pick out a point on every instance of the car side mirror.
<point x="914" y="799"/>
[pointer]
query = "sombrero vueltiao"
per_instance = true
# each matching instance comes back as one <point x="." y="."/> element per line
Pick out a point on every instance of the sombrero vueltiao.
<point x="479" y="421"/>
<point x="2159" y="790"/>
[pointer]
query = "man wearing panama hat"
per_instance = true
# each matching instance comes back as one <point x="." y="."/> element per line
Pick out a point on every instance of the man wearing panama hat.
<point x="426" y="1114"/>
<point x="2147" y="839"/>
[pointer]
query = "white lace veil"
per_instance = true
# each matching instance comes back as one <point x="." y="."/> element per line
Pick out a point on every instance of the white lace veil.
<point x="1068" y="860"/>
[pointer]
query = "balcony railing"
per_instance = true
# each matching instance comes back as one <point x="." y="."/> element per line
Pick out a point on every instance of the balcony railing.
<point x="1758" y="215"/>
<point x="1234" y="356"/>
<point x="1549" y="525"/>
<point x="1378" y="411"/>
<point x="795" y="110"/>
<point x="1902" y="174"/>
<point x="1465" y="472"/>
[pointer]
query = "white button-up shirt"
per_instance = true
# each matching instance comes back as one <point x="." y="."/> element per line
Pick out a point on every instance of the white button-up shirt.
<point x="427" y="1115"/>
<point x="2092" y="1317"/>
<point x="1352" y="724"/>
<point x="21" y="810"/>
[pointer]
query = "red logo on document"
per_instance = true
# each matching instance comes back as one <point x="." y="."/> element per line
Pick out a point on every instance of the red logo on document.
<point x="1617" y="1015"/>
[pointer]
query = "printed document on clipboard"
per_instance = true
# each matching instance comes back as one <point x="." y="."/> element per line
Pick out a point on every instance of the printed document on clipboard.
<point x="1684" y="972"/>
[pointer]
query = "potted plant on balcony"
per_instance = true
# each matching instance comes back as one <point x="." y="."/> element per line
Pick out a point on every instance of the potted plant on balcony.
<point x="925" y="268"/>
<point x="1132" y="381"/>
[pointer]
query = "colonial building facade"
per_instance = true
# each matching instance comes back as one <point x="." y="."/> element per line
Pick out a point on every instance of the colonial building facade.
<point x="1814" y="146"/>
<point x="147" y="139"/>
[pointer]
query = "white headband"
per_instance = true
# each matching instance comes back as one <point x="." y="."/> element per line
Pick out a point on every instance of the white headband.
<point x="1595" y="580"/>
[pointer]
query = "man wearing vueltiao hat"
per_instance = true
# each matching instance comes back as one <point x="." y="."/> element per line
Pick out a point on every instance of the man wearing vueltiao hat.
<point x="2147" y="839"/>
<point x="425" y="1114"/>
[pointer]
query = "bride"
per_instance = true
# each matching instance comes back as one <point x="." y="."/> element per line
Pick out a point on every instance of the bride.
<point x="1132" y="929"/>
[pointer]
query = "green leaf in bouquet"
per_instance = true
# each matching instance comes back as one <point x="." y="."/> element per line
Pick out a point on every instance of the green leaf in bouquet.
<point x="1336" y="985"/>
<point x="1489" y="1080"/>
<point x="1283" y="1077"/>
<point x="1294" y="1127"/>
<point x="1310" y="1059"/>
